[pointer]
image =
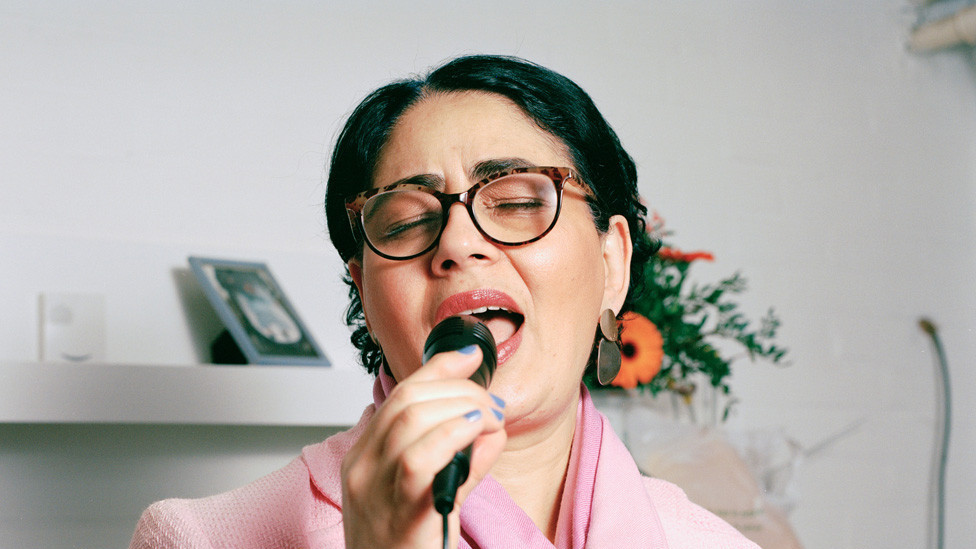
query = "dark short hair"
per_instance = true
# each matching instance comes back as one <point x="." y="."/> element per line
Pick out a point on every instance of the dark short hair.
<point x="557" y="104"/>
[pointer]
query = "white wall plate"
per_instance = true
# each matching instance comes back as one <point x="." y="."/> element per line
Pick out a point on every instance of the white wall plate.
<point x="72" y="327"/>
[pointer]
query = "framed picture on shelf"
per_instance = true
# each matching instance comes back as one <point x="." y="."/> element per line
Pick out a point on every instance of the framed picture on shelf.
<point x="259" y="319"/>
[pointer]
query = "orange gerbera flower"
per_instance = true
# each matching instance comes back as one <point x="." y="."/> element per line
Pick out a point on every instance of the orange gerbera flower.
<point x="642" y="350"/>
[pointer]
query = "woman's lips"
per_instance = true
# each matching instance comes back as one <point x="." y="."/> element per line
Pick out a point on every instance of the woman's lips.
<point x="508" y="347"/>
<point x="501" y="314"/>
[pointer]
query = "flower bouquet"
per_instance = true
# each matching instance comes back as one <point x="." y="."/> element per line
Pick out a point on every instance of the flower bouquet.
<point x="683" y="333"/>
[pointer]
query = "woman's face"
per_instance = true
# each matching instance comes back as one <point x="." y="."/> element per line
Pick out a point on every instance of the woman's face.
<point x="552" y="290"/>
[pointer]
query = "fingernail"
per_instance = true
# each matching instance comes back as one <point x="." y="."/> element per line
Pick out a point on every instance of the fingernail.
<point x="473" y="415"/>
<point x="468" y="350"/>
<point x="498" y="401"/>
<point x="498" y="414"/>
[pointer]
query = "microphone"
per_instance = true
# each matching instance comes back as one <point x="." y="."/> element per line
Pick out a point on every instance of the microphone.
<point x="451" y="334"/>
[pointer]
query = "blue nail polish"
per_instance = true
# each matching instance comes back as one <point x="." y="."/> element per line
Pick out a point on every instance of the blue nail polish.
<point x="498" y="414"/>
<point x="468" y="350"/>
<point x="498" y="401"/>
<point x="473" y="415"/>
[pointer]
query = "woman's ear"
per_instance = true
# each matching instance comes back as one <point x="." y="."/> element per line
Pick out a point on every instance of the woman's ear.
<point x="355" y="267"/>
<point x="617" y="252"/>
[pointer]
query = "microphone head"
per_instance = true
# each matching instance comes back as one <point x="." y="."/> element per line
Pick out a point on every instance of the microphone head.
<point x="457" y="332"/>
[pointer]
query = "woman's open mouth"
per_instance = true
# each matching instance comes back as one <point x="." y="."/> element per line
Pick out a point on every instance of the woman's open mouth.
<point x="497" y="310"/>
<point x="502" y="323"/>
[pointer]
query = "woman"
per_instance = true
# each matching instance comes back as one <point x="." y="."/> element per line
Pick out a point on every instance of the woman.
<point x="491" y="187"/>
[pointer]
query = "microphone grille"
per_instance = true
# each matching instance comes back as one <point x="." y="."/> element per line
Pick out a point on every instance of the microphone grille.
<point x="456" y="332"/>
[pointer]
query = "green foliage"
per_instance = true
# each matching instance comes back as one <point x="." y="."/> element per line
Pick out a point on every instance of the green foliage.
<point x="695" y="320"/>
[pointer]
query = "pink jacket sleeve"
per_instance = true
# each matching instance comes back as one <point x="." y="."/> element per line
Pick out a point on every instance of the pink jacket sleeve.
<point x="169" y="524"/>
<point x="279" y="510"/>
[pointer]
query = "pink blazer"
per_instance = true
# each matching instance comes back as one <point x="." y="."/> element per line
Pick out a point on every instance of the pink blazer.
<point x="612" y="505"/>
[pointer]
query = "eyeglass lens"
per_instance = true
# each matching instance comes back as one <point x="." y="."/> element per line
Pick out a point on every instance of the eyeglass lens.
<point x="511" y="210"/>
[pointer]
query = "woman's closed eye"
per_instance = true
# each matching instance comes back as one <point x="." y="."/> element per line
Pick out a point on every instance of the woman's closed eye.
<point x="410" y="227"/>
<point x="515" y="204"/>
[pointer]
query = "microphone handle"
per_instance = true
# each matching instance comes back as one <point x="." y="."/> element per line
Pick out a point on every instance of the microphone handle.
<point x="447" y="481"/>
<point x="451" y="334"/>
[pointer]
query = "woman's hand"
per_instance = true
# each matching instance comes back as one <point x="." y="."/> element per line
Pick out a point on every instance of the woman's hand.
<point x="387" y="474"/>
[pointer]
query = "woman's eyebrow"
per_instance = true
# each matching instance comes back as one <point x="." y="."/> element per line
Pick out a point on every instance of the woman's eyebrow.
<point x="432" y="181"/>
<point x="485" y="168"/>
<point x="480" y="171"/>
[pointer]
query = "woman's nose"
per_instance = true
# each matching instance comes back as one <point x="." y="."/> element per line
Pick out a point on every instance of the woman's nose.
<point x="461" y="244"/>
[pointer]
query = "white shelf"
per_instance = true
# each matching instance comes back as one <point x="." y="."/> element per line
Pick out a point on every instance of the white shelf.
<point x="202" y="394"/>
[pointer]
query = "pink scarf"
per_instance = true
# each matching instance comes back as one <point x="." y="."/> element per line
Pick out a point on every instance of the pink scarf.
<point x="604" y="501"/>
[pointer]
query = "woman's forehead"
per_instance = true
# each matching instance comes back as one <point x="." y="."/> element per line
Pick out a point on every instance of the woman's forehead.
<point x="464" y="133"/>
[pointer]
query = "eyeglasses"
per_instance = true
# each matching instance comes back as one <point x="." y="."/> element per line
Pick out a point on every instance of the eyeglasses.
<point x="512" y="207"/>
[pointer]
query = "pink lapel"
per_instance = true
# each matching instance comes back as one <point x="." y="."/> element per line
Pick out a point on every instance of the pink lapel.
<point x="621" y="514"/>
<point x="324" y="460"/>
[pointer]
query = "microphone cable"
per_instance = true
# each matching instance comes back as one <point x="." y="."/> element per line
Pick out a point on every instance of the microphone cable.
<point x="447" y="533"/>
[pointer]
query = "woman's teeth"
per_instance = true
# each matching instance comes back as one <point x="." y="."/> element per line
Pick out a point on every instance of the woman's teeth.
<point x="480" y="310"/>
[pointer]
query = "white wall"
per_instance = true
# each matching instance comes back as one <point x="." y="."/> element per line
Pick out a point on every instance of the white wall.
<point x="800" y="143"/>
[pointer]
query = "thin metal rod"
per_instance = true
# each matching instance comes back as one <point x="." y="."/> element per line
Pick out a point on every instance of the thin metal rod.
<point x="941" y="458"/>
